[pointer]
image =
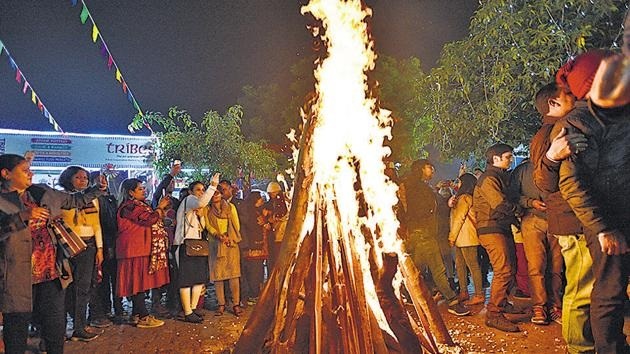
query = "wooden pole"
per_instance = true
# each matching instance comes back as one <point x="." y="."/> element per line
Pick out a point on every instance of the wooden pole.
<point x="423" y="301"/>
<point x="257" y="328"/>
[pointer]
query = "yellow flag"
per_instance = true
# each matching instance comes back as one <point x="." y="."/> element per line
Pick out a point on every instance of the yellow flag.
<point x="118" y="75"/>
<point x="95" y="33"/>
<point x="33" y="97"/>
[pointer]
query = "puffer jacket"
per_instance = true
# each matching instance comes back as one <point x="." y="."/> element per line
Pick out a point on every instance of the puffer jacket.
<point x="16" y="241"/>
<point x="463" y="232"/>
<point x="494" y="212"/>
<point x="594" y="181"/>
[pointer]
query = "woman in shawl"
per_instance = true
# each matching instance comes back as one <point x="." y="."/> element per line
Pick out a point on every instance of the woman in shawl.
<point x="224" y="259"/>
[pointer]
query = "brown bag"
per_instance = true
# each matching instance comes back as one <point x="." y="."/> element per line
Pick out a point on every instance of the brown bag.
<point x="197" y="248"/>
<point x="68" y="240"/>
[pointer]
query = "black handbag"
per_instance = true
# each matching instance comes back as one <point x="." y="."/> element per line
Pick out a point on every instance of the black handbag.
<point x="195" y="247"/>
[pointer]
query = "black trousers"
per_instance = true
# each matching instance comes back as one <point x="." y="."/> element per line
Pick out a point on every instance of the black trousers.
<point x="608" y="299"/>
<point x="79" y="289"/>
<point x="48" y="306"/>
<point x="104" y="294"/>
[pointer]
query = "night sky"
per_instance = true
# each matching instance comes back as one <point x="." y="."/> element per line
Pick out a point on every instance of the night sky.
<point x="196" y="54"/>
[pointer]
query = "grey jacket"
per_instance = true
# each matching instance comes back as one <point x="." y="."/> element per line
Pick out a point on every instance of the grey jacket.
<point x="16" y="241"/>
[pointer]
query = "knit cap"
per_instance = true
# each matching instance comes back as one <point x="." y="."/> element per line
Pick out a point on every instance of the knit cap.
<point x="578" y="73"/>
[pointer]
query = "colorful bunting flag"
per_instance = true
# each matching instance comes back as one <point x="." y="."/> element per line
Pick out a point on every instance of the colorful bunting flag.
<point x="104" y="50"/>
<point x="19" y="75"/>
<point x="84" y="14"/>
<point x="74" y="2"/>
<point x="95" y="33"/>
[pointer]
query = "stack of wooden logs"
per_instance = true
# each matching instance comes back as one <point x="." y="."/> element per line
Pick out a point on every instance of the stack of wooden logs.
<point x="314" y="300"/>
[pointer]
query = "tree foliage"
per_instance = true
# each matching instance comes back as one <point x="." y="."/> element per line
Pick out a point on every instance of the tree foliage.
<point x="482" y="90"/>
<point x="214" y="145"/>
<point x="400" y="88"/>
<point x="271" y="112"/>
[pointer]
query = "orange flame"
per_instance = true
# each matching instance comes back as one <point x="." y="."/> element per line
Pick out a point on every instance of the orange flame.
<point x="348" y="140"/>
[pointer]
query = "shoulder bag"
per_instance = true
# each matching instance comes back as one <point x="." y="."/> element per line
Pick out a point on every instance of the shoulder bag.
<point x="194" y="247"/>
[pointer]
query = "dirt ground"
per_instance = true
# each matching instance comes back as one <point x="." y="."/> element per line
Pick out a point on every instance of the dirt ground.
<point x="219" y="334"/>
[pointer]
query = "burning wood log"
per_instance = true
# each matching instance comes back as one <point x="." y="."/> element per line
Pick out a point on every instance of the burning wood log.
<point x="333" y="287"/>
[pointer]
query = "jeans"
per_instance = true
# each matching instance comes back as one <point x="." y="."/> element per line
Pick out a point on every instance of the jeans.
<point x="607" y="299"/>
<point x="544" y="262"/>
<point x="576" y="303"/>
<point x="48" y="305"/>
<point x="466" y="257"/>
<point x="424" y="250"/>
<point x="79" y="290"/>
<point x="501" y="251"/>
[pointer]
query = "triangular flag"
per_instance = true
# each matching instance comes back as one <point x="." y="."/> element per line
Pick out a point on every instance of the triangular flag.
<point x="18" y="76"/>
<point x="51" y="120"/>
<point x="124" y="86"/>
<point x="33" y="97"/>
<point x="12" y="63"/>
<point x="46" y="113"/>
<point x="84" y="14"/>
<point x="1" y="47"/>
<point x="118" y="75"/>
<point x="74" y="2"/>
<point x="104" y="50"/>
<point x="110" y="61"/>
<point x="135" y="104"/>
<point x="40" y="105"/>
<point x="95" y="33"/>
<point x="129" y="97"/>
<point x="26" y="86"/>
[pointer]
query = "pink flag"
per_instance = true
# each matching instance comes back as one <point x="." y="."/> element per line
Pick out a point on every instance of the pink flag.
<point x="18" y="76"/>
<point x="26" y="86"/>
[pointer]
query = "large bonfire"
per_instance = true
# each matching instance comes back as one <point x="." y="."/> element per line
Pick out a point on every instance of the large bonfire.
<point x="337" y="286"/>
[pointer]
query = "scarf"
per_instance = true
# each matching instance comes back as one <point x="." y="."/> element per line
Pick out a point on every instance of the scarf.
<point x="224" y="211"/>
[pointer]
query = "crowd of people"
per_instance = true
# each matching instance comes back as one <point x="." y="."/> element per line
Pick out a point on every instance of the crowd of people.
<point x="131" y="247"/>
<point x="555" y="229"/>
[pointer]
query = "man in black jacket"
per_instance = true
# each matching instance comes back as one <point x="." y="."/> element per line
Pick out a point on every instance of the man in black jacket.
<point x="420" y="204"/>
<point x="495" y="214"/>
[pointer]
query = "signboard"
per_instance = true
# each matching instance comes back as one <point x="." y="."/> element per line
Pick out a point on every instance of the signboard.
<point x="54" y="149"/>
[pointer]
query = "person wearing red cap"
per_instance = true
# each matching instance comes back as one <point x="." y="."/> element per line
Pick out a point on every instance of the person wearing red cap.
<point x="592" y="183"/>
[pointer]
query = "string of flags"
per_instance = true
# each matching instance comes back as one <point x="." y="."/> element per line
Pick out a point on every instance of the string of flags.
<point x="111" y="62"/>
<point x="26" y="86"/>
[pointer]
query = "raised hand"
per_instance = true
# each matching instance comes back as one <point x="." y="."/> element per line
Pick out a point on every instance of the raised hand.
<point x="215" y="179"/>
